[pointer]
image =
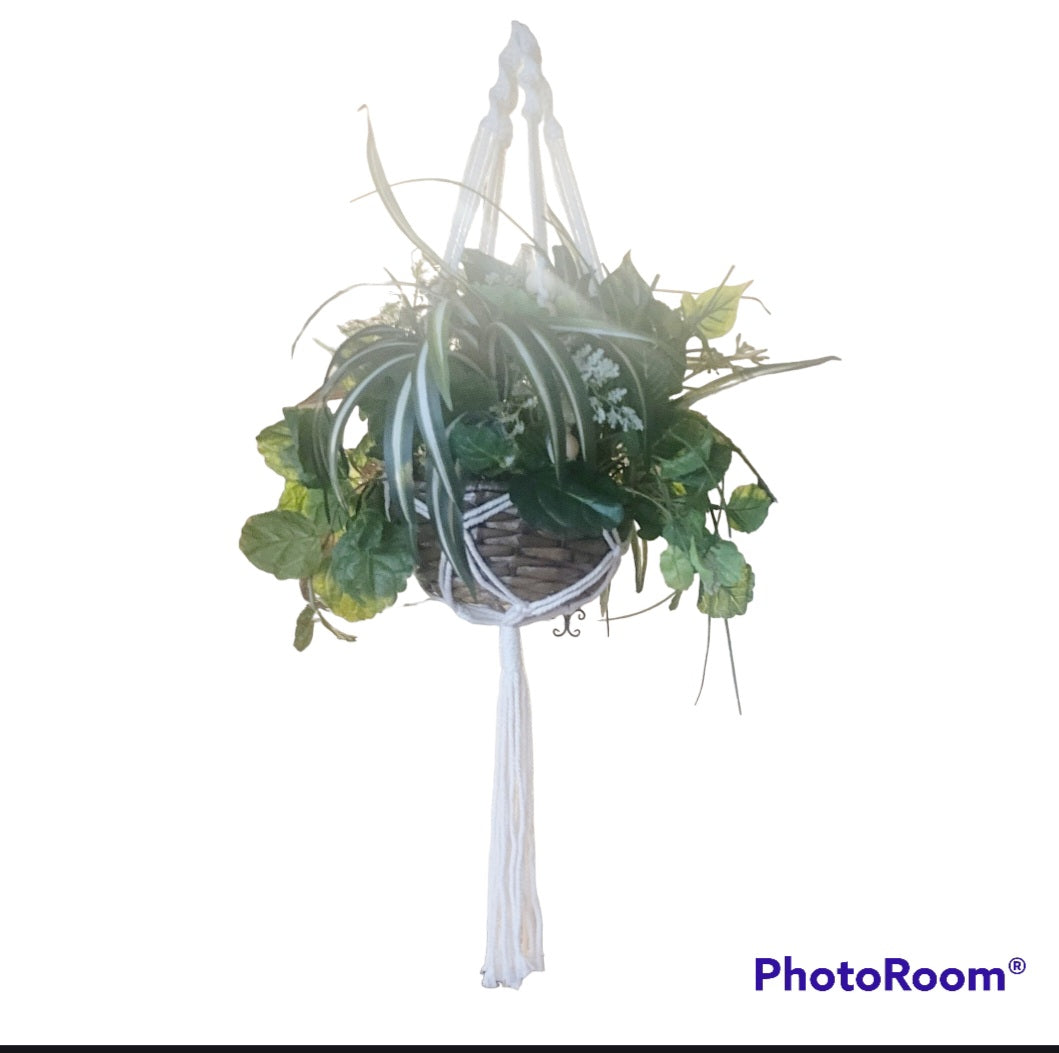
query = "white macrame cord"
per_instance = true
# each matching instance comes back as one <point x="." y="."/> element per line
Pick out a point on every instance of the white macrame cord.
<point x="514" y="946"/>
<point x="514" y="937"/>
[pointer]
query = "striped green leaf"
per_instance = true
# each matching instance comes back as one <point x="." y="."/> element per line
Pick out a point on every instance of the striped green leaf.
<point x="390" y="369"/>
<point x="543" y="379"/>
<point x="573" y="387"/>
<point x="431" y="423"/>
<point x="741" y="376"/>
<point x="447" y="517"/>
<point x="599" y="330"/>
<point x="382" y="185"/>
<point x="438" y="349"/>
<point x="397" y="442"/>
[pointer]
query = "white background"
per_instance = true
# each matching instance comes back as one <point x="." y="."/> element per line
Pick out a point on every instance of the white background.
<point x="208" y="837"/>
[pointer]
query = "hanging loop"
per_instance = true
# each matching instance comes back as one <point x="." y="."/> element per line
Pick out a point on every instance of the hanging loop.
<point x="520" y="66"/>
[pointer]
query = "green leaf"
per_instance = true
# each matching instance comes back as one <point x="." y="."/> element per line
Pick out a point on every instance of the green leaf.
<point x="650" y="519"/>
<point x="509" y="303"/>
<point x="729" y="600"/>
<point x="624" y="294"/>
<point x="473" y="390"/>
<point x="297" y="497"/>
<point x="282" y="543"/>
<point x="573" y="387"/>
<point x="335" y="600"/>
<point x="308" y="430"/>
<point x="372" y="559"/>
<point x="431" y="423"/>
<point x="397" y="455"/>
<point x="387" y="370"/>
<point x="719" y="566"/>
<point x="586" y="504"/>
<point x="483" y="269"/>
<point x="277" y="447"/>
<point x="546" y="384"/>
<point x="692" y="453"/>
<point x="677" y="571"/>
<point x="747" y="507"/>
<point x="382" y="185"/>
<point x="303" y="629"/>
<point x="438" y="349"/>
<point x="741" y="376"/>
<point x="447" y="517"/>
<point x="482" y="447"/>
<point x="713" y="313"/>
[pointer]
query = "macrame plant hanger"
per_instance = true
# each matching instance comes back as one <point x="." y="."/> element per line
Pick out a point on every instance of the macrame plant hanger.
<point x="514" y="946"/>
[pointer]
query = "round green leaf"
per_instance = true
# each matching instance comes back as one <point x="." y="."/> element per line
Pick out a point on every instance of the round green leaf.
<point x="283" y="543"/>
<point x="747" y="508"/>
<point x="676" y="568"/>
<point x="729" y="600"/>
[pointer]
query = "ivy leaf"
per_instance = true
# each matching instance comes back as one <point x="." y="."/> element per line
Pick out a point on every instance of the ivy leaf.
<point x="677" y="570"/>
<point x="719" y="566"/>
<point x="276" y="445"/>
<point x="372" y="560"/>
<point x="482" y="447"/>
<point x="586" y="504"/>
<point x="650" y="519"/>
<point x="747" y="508"/>
<point x="713" y="313"/>
<point x="297" y="497"/>
<point x="303" y="629"/>
<point x="624" y="294"/>
<point x="283" y="543"/>
<point x="729" y="600"/>
<point x="693" y="453"/>
<point x="509" y="302"/>
<point x="483" y="269"/>
<point x="332" y="597"/>
<point x="309" y="430"/>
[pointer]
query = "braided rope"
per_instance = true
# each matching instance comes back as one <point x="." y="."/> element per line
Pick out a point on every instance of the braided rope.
<point x="520" y="67"/>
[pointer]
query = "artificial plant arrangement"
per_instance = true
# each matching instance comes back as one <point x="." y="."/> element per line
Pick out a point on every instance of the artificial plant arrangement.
<point x="525" y="425"/>
<point x="579" y="403"/>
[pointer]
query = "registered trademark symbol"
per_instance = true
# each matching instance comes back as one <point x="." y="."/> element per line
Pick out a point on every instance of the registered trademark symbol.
<point x="1017" y="965"/>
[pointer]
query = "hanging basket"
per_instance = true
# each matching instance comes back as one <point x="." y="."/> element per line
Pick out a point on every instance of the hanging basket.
<point x="547" y="408"/>
<point x="533" y="573"/>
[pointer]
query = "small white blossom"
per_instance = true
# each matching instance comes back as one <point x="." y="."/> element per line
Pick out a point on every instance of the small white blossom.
<point x="606" y="403"/>
<point x="594" y="366"/>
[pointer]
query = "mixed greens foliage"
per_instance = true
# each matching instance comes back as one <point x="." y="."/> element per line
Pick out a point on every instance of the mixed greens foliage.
<point x="576" y="394"/>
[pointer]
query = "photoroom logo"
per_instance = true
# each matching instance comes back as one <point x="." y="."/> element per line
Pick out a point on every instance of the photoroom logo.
<point x="896" y="974"/>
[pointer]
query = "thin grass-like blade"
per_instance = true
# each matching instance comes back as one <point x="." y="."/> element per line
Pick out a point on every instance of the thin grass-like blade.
<point x="573" y="387"/>
<point x="432" y="424"/>
<point x="549" y="391"/>
<point x="348" y="404"/>
<point x="447" y="517"/>
<point x="397" y="442"/>
<point x="382" y="185"/>
<point x="438" y="349"/>
<point x="693" y="395"/>
<point x="362" y="360"/>
<point x="600" y="330"/>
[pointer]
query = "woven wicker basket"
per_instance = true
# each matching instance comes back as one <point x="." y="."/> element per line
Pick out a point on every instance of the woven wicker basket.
<point x="532" y="564"/>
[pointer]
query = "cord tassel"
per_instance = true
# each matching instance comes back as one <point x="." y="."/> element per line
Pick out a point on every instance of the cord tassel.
<point x="514" y="940"/>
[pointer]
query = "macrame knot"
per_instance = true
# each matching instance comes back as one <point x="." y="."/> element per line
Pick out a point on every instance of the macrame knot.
<point x="522" y="575"/>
